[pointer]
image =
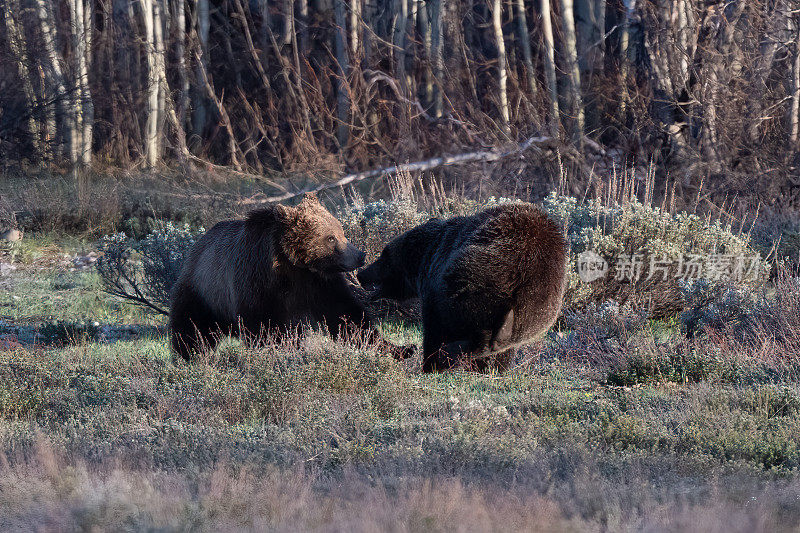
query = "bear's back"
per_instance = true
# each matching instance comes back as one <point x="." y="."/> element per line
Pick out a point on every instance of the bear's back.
<point x="528" y="252"/>
<point x="213" y="266"/>
<point x="507" y="241"/>
<point x="509" y="255"/>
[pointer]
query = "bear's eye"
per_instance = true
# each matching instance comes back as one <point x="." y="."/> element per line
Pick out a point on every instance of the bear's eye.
<point x="331" y="240"/>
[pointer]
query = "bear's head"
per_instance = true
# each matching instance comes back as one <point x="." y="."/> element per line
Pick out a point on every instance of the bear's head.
<point x="395" y="273"/>
<point x="312" y="238"/>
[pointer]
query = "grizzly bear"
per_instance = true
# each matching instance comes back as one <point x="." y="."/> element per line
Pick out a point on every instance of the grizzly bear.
<point x="280" y="268"/>
<point x="487" y="283"/>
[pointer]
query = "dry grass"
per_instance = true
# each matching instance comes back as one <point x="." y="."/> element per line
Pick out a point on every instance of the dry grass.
<point x="46" y="492"/>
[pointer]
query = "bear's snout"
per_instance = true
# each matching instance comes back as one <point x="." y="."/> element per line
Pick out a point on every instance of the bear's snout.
<point x="352" y="258"/>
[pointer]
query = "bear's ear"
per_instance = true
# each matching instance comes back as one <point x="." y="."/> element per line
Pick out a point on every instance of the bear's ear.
<point x="285" y="214"/>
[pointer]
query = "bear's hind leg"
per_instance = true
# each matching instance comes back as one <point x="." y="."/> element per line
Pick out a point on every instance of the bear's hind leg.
<point x="468" y="354"/>
<point x="499" y="362"/>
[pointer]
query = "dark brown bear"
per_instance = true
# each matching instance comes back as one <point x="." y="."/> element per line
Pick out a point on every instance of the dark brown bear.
<point x="487" y="283"/>
<point x="279" y="268"/>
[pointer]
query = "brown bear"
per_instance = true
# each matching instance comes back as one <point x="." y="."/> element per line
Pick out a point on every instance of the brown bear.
<point x="279" y="268"/>
<point x="487" y="283"/>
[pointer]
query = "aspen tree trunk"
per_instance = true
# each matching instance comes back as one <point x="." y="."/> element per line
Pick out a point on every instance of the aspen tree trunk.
<point x="180" y="60"/>
<point x="303" y="31"/>
<point x="76" y="36"/>
<point x="794" y="114"/>
<point x="410" y="56"/>
<point x="355" y="28"/>
<point x="84" y="109"/>
<point x="629" y="5"/>
<point x="342" y="98"/>
<point x="502" y="74"/>
<point x="684" y="36"/>
<point x="399" y="42"/>
<point x="200" y="117"/>
<point x="176" y="109"/>
<point x="525" y="44"/>
<point x="54" y="74"/>
<point x="88" y="102"/>
<point x="19" y="49"/>
<point x="159" y="13"/>
<point x="166" y="105"/>
<point x="437" y="43"/>
<point x="153" y="83"/>
<point x="716" y="60"/>
<point x="573" y="70"/>
<point x="550" y="66"/>
<point x="288" y="16"/>
<point x="464" y="38"/>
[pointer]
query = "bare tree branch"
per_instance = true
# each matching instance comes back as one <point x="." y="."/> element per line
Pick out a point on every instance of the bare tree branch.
<point x="537" y="143"/>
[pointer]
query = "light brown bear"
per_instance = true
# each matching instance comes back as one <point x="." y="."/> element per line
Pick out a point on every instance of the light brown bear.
<point x="279" y="268"/>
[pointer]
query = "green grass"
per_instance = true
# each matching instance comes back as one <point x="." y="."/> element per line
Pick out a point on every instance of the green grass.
<point x="314" y="434"/>
<point x="33" y="296"/>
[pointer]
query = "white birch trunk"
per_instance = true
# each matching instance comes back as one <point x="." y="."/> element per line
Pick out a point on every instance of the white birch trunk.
<point x="180" y="60"/>
<point x="83" y="108"/>
<point x="88" y="103"/>
<point x="153" y="82"/>
<point x="550" y="66"/>
<point x="437" y="44"/>
<point x="159" y="23"/>
<point x="288" y="16"/>
<point x="502" y="74"/>
<point x="355" y="28"/>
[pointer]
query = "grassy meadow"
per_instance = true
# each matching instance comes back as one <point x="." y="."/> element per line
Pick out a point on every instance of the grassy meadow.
<point x="313" y="434"/>
<point x="616" y="421"/>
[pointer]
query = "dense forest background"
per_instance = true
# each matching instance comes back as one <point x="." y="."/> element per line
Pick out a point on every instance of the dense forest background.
<point x="705" y="92"/>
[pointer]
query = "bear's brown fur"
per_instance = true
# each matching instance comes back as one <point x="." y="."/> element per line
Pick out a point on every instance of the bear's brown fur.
<point x="279" y="268"/>
<point x="487" y="283"/>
